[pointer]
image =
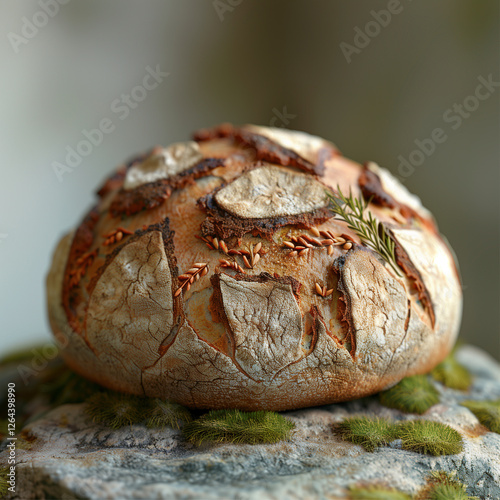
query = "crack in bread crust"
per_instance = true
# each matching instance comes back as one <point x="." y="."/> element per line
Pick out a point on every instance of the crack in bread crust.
<point x="224" y="225"/>
<point x="150" y="195"/>
<point x="266" y="144"/>
<point x="405" y="263"/>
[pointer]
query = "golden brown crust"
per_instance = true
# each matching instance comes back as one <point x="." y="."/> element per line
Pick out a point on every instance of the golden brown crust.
<point x="78" y="262"/>
<point x="163" y="292"/>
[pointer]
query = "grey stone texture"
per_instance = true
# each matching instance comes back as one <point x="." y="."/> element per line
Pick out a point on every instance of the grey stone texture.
<point x="73" y="458"/>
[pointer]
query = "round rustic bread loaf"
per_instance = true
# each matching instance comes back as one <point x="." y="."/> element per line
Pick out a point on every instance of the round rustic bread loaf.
<point x="213" y="273"/>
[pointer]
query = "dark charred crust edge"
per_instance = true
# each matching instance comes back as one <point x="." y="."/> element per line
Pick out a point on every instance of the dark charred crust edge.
<point x="143" y="197"/>
<point x="152" y="194"/>
<point x="112" y="183"/>
<point x="224" y="225"/>
<point x="265" y="149"/>
<point x="371" y="188"/>
<point x="115" y="180"/>
<point x="268" y="150"/>
<point x="168" y="241"/>
<point x="404" y="262"/>
<point x="82" y="241"/>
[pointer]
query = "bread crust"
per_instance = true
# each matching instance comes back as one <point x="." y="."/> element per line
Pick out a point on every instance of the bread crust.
<point x="205" y="281"/>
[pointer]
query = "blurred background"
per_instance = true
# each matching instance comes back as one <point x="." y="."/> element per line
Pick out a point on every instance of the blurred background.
<point x="377" y="78"/>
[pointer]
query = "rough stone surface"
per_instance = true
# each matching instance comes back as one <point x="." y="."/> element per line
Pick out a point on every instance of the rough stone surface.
<point x="72" y="458"/>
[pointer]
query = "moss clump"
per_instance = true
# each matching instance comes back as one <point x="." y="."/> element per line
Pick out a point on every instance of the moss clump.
<point x="487" y="412"/>
<point x="162" y="413"/>
<point x="452" y="374"/>
<point x="421" y="436"/>
<point x="369" y="432"/>
<point x="56" y="385"/>
<point x="67" y="387"/>
<point x="236" y="426"/>
<point x="432" y="438"/>
<point x="376" y="493"/>
<point x="444" y="486"/>
<point x="447" y="492"/>
<point x="115" y="409"/>
<point x="412" y="395"/>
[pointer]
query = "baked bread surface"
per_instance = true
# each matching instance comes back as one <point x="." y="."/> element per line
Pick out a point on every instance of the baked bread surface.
<point x="212" y="273"/>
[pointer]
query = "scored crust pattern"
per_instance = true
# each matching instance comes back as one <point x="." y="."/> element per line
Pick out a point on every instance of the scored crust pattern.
<point x="212" y="273"/>
<point x="268" y="192"/>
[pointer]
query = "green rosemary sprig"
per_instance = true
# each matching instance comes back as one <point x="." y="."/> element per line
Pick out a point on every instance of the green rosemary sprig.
<point x="371" y="232"/>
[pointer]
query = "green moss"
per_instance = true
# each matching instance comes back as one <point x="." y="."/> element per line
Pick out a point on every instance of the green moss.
<point x="55" y="384"/>
<point x="487" y="412"/>
<point x="236" y="426"/>
<point x="4" y="484"/>
<point x="444" y="486"/>
<point x="376" y="493"/>
<point x="412" y="395"/>
<point x="162" y="413"/>
<point x="447" y="492"/>
<point x="368" y="432"/>
<point x="452" y="374"/>
<point x="432" y="438"/>
<point x="67" y="387"/>
<point x="114" y="409"/>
